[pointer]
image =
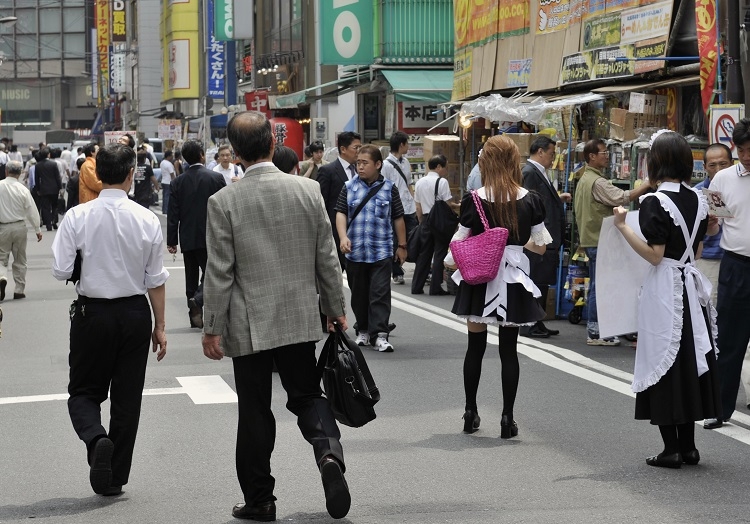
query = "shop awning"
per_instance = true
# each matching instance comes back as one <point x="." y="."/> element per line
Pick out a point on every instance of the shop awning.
<point x="647" y="86"/>
<point x="420" y="85"/>
<point x="301" y="97"/>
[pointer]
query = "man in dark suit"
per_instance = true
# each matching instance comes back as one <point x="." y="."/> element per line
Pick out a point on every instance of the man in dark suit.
<point x="187" y="212"/>
<point x="544" y="267"/>
<point x="332" y="177"/>
<point x="48" y="184"/>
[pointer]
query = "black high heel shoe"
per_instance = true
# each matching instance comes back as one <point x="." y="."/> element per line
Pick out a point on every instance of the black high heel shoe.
<point x="508" y="427"/>
<point x="691" y="458"/>
<point x="471" y="421"/>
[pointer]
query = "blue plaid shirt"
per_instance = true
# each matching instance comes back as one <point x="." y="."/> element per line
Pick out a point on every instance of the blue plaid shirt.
<point x="371" y="233"/>
<point x="711" y="249"/>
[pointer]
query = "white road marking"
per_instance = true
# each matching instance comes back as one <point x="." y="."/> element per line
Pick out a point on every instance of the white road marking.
<point x="209" y="389"/>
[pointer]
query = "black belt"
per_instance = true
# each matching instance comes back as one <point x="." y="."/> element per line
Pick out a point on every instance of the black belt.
<point x="83" y="300"/>
<point x="8" y="223"/>
<point x="743" y="258"/>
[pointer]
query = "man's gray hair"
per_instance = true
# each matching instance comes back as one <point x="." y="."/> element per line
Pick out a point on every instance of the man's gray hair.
<point x="14" y="167"/>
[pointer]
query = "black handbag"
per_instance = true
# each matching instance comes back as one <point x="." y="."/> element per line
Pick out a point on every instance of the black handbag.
<point x="441" y="220"/>
<point x="414" y="244"/>
<point x="347" y="381"/>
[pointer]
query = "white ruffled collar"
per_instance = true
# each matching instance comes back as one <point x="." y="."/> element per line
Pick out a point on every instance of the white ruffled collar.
<point x="674" y="187"/>
<point x="522" y="192"/>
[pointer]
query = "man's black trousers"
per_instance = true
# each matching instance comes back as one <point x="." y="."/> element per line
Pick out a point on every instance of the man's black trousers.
<point x="195" y="272"/>
<point x="256" y="429"/>
<point x="109" y="341"/>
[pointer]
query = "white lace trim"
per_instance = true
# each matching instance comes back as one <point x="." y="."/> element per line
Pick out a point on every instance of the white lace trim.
<point x="540" y="236"/>
<point x="703" y="208"/>
<point x="493" y="321"/>
<point x="712" y="315"/>
<point x="674" y="342"/>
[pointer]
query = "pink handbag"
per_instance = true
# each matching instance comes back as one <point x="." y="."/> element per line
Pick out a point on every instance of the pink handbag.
<point x="478" y="257"/>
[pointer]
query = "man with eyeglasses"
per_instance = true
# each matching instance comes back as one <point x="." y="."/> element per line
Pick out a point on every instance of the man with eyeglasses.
<point x="595" y="197"/>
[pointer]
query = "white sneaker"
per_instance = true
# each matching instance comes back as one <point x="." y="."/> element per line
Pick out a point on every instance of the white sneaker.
<point x="611" y="341"/>
<point x="399" y="280"/>
<point x="382" y="345"/>
<point x="363" y="339"/>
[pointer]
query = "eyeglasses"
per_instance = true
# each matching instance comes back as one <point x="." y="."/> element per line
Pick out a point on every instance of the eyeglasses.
<point x="602" y="153"/>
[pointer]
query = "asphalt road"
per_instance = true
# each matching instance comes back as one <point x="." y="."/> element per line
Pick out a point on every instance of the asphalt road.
<point x="579" y="456"/>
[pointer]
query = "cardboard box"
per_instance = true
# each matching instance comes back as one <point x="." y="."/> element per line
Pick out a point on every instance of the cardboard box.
<point x="453" y="174"/>
<point x="523" y="141"/>
<point x="625" y="125"/>
<point x="446" y="145"/>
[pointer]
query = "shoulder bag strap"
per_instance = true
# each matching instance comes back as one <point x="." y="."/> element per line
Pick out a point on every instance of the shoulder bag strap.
<point x="480" y="209"/>
<point x="365" y="200"/>
<point x="398" y="168"/>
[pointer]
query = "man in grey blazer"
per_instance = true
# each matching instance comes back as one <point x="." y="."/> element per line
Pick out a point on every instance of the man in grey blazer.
<point x="269" y="241"/>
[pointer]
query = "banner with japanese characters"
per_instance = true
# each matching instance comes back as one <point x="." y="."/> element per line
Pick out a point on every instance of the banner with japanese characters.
<point x="705" y="25"/>
<point x="216" y="59"/>
<point x="557" y="15"/>
<point x="418" y="117"/>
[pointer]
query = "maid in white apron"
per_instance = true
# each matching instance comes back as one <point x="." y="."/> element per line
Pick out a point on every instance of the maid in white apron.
<point x="510" y="300"/>
<point x="675" y="377"/>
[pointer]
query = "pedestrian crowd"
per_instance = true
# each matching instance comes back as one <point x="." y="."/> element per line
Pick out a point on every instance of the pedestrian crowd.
<point x="361" y="215"/>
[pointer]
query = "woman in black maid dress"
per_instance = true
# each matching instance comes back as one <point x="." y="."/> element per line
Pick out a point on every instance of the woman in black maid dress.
<point x="675" y="378"/>
<point x="510" y="300"/>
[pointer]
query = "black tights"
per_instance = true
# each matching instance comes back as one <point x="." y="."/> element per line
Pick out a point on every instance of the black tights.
<point x="678" y="438"/>
<point x="508" y="340"/>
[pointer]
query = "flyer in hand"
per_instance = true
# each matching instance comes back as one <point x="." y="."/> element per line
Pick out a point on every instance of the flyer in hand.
<point x="716" y="204"/>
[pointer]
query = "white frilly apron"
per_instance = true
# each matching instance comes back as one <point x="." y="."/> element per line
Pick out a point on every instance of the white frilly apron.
<point x="660" y="312"/>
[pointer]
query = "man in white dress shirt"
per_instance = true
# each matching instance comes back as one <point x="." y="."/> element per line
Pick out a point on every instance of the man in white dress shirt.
<point x="110" y="327"/>
<point x="16" y="207"/>
<point x="397" y="169"/>
<point x="230" y="171"/>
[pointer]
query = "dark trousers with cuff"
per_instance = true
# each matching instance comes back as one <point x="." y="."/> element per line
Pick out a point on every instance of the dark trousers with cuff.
<point x="49" y="210"/>
<point x="109" y="341"/>
<point x="733" y="308"/>
<point x="195" y="272"/>
<point x="256" y="429"/>
<point x="433" y="253"/>
<point x="371" y="295"/>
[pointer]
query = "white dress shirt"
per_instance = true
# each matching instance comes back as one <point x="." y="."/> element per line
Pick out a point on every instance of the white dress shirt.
<point x="121" y="245"/>
<point x="231" y="171"/>
<point x="346" y="168"/>
<point x="734" y="185"/>
<point x="542" y="170"/>
<point x="16" y="203"/>
<point x="391" y="173"/>
<point x="424" y="191"/>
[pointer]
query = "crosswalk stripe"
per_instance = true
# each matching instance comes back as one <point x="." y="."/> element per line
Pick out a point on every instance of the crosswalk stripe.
<point x="208" y="390"/>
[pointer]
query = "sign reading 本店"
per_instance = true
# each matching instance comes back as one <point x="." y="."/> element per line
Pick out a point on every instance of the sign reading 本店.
<point x="346" y="32"/>
<point x="519" y="72"/>
<point x="417" y="115"/>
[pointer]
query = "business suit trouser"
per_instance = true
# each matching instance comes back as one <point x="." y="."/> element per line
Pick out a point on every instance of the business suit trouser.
<point x="433" y="253"/>
<point x="49" y="210"/>
<point x="195" y="272"/>
<point x="410" y="222"/>
<point x="256" y="428"/>
<point x="109" y="341"/>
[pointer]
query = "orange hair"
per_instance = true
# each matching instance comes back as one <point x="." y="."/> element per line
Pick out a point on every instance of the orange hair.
<point x="500" y="167"/>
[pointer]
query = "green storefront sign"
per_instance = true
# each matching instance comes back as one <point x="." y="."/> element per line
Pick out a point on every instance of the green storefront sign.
<point x="226" y="12"/>
<point x="346" y="32"/>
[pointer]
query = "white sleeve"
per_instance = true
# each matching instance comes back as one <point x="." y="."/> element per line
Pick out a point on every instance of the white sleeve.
<point x="444" y="190"/>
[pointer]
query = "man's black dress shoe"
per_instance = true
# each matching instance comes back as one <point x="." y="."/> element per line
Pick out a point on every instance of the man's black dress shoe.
<point x="692" y="457"/>
<point x="338" y="499"/>
<point x="418" y="292"/>
<point x="712" y="423"/>
<point x="535" y="332"/>
<point x="18" y="296"/>
<point x="263" y="511"/>
<point x="3" y="283"/>
<point x="541" y="326"/>
<point x="673" y="461"/>
<point x="439" y="293"/>
<point x="100" y="459"/>
<point x="112" y="491"/>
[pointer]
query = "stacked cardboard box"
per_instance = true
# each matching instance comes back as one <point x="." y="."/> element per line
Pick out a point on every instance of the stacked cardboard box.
<point x="625" y="125"/>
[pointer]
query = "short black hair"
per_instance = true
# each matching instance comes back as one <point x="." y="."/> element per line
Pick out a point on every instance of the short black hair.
<point x="79" y="163"/>
<point x="142" y="155"/>
<point x="131" y="140"/>
<point x="192" y="150"/>
<point x="670" y="157"/>
<point x="251" y="135"/>
<point x="114" y="162"/>
<point x="346" y="138"/>
<point x="741" y="133"/>
<point x="307" y="152"/>
<point x="437" y="160"/>
<point x="55" y="152"/>
<point x="715" y="146"/>
<point x="541" y="142"/>
<point x="43" y="152"/>
<point x="168" y="153"/>
<point x="592" y="148"/>
<point x="317" y="146"/>
<point x="398" y="139"/>
<point x="285" y="159"/>
<point x="89" y="149"/>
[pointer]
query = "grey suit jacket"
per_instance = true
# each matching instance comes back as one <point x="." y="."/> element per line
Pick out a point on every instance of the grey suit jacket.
<point x="269" y="241"/>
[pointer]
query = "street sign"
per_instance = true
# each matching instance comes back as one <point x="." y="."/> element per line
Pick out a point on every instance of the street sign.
<point x="723" y="119"/>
